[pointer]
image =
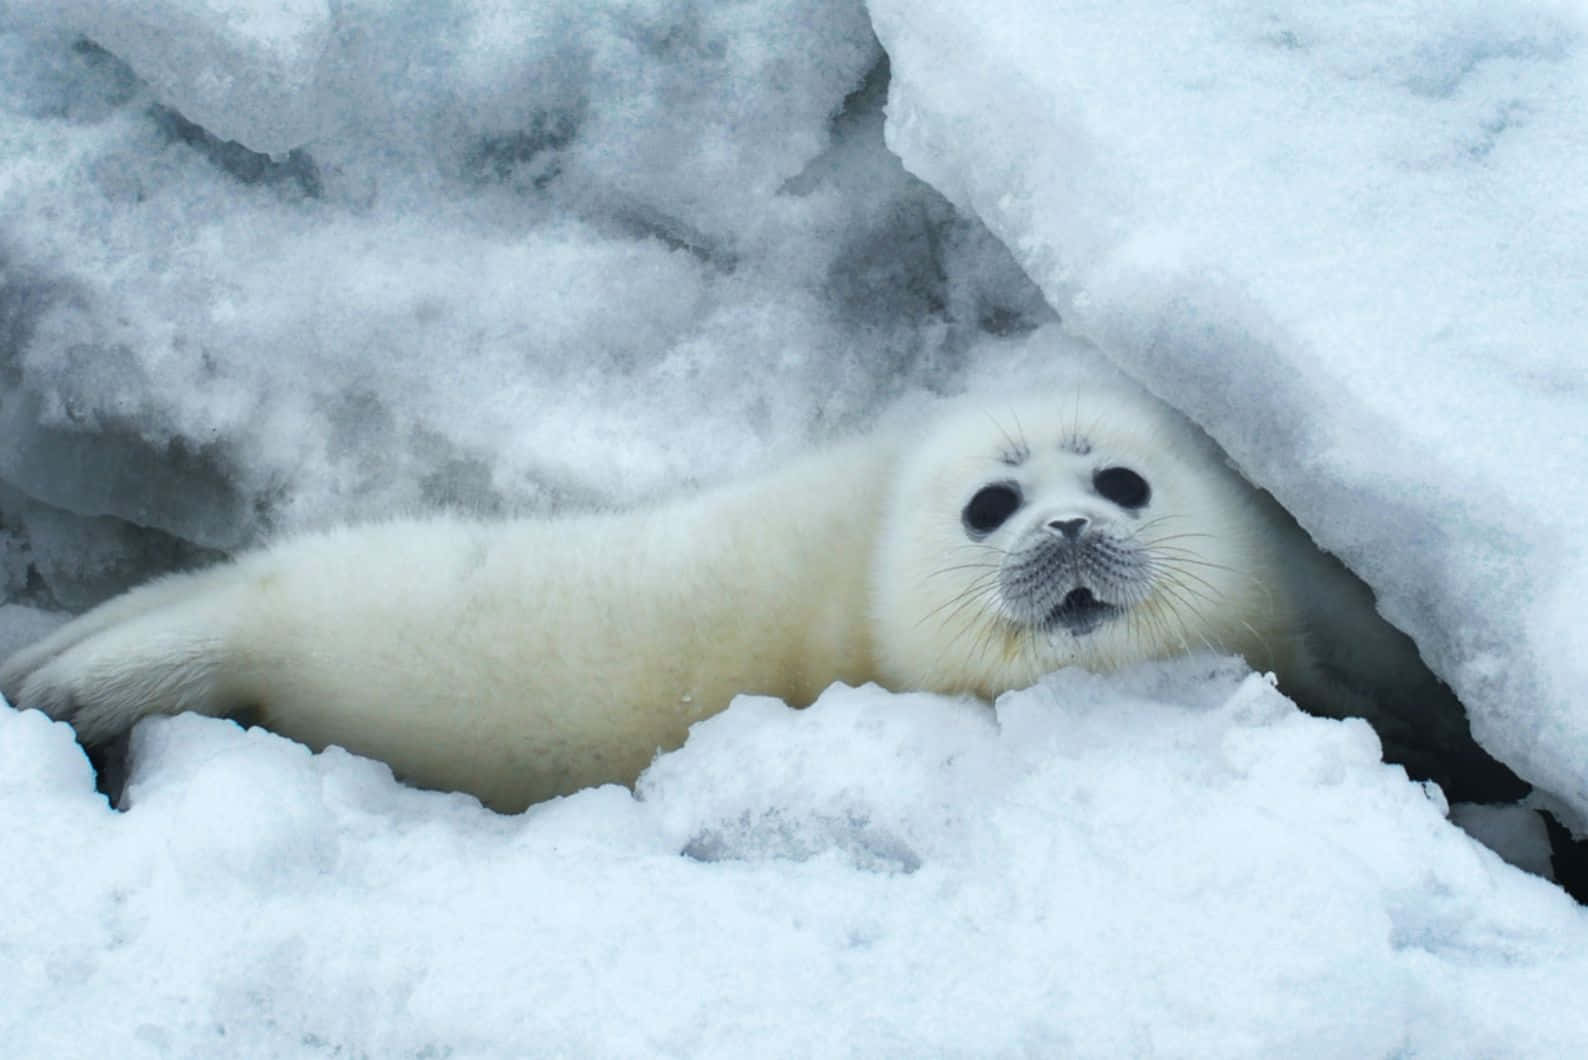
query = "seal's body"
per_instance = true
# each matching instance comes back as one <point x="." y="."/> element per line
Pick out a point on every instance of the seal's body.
<point x="521" y="659"/>
<point x="514" y="659"/>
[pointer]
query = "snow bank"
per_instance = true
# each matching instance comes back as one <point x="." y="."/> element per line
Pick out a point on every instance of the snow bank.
<point x="1175" y="862"/>
<point x="324" y="262"/>
<point x="1349" y="241"/>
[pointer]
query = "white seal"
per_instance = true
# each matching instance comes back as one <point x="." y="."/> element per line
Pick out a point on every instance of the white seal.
<point x="1001" y="539"/>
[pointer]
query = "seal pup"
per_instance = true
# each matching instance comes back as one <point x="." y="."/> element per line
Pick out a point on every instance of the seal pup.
<point x="520" y="659"/>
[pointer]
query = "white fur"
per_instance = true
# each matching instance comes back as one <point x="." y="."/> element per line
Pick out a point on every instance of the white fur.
<point x="1221" y="582"/>
<point x="522" y="659"/>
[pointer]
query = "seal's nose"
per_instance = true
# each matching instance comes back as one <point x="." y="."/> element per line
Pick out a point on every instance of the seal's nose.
<point x="1069" y="528"/>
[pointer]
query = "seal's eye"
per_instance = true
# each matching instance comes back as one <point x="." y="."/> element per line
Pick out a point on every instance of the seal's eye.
<point x="1122" y="486"/>
<point x="993" y="504"/>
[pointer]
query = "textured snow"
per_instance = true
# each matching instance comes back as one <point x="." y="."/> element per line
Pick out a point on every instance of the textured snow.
<point x="1347" y="239"/>
<point x="537" y="254"/>
<point x="247" y="71"/>
<point x="1176" y="862"/>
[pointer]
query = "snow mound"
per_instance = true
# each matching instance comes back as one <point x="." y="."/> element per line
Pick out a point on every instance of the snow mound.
<point x="1176" y="861"/>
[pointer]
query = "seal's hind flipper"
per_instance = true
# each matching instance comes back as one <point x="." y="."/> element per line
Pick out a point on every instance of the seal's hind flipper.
<point x="129" y="605"/>
<point x="157" y="651"/>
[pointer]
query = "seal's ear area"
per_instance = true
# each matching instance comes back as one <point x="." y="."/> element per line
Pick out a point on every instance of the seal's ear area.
<point x="114" y="665"/>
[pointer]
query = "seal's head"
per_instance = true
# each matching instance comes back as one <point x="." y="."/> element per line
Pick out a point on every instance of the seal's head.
<point x="1090" y="527"/>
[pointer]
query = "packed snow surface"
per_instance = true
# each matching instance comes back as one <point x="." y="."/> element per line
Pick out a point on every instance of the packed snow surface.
<point x="1176" y="862"/>
<point x="264" y="265"/>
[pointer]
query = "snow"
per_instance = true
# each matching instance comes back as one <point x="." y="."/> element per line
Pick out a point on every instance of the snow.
<point x="245" y="70"/>
<point x="1174" y="862"/>
<point x="1346" y="239"/>
<point x="268" y="265"/>
<point x="417" y="308"/>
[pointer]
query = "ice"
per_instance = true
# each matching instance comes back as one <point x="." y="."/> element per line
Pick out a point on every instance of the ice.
<point x="1517" y="833"/>
<point x="1347" y="241"/>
